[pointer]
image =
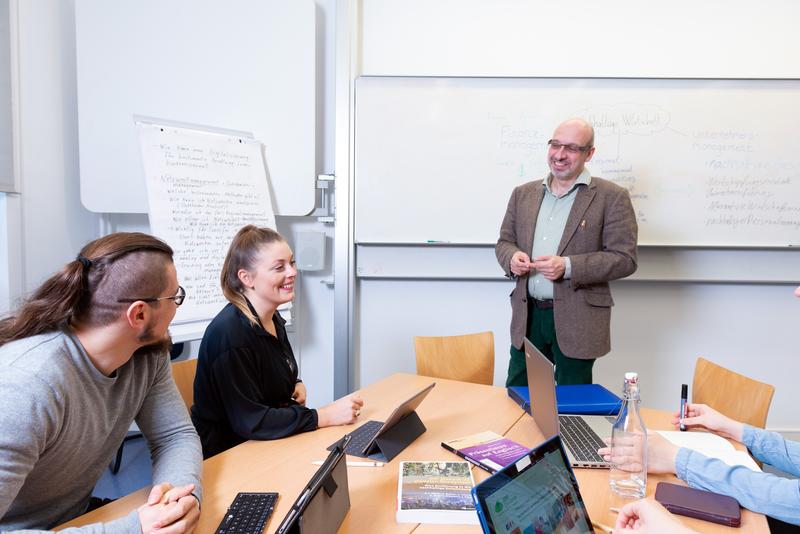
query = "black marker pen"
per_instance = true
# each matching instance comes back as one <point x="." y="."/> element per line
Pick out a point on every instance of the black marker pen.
<point x="684" y="393"/>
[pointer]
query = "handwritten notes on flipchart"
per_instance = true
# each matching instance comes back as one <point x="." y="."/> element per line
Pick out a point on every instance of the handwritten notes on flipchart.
<point x="201" y="188"/>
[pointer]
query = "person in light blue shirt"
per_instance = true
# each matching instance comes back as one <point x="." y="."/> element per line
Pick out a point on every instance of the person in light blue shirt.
<point x="765" y="493"/>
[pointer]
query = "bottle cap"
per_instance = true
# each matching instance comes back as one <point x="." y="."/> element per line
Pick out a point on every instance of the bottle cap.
<point x="631" y="377"/>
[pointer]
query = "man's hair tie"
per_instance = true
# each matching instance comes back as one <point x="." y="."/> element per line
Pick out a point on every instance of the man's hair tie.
<point x="86" y="262"/>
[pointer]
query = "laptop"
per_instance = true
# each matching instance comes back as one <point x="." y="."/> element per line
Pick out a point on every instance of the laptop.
<point x="581" y="434"/>
<point x="383" y="440"/>
<point x="537" y="493"/>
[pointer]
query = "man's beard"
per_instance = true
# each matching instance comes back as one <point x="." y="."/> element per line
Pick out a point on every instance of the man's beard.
<point x="154" y="345"/>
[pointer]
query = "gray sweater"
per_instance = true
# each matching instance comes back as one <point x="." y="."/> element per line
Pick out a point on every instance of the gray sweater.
<point x="61" y="422"/>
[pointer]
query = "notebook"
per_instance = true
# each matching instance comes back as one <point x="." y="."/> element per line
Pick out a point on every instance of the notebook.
<point x="711" y="445"/>
<point x="537" y="493"/>
<point x="581" y="434"/>
<point x="583" y="399"/>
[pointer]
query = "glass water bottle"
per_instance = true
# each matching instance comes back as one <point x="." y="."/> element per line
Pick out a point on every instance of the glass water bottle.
<point x="628" y="473"/>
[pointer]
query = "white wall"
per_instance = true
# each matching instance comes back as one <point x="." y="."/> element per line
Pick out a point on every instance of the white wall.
<point x="658" y="328"/>
<point x="6" y="98"/>
<point x="625" y="38"/>
<point x="53" y="224"/>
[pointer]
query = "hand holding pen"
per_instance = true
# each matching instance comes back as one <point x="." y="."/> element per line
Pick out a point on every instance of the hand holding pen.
<point x="702" y="416"/>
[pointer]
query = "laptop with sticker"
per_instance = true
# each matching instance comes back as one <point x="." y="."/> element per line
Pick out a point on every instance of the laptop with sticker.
<point x="537" y="493"/>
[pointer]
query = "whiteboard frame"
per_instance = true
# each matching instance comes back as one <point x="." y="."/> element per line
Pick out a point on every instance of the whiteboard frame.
<point x="412" y="261"/>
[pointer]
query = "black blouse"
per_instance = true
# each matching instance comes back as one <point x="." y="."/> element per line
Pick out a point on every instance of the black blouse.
<point x="244" y="384"/>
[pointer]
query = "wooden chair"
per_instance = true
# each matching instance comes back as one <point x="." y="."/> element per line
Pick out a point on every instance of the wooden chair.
<point x="469" y="358"/>
<point x="183" y="374"/>
<point x="737" y="396"/>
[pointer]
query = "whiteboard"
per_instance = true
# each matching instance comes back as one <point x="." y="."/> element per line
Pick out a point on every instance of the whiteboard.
<point x="246" y="65"/>
<point x="707" y="162"/>
<point x="202" y="188"/>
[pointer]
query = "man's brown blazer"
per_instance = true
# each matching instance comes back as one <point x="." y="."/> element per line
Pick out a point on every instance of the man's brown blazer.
<point x="600" y="241"/>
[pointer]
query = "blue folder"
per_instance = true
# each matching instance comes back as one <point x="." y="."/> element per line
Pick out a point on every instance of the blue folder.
<point x="584" y="399"/>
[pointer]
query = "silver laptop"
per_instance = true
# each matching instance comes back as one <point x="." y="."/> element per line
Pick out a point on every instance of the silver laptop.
<point x="581" y="434"/>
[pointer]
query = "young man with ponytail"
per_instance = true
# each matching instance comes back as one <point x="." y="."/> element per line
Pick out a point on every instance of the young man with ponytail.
<point x="82" y="358"/>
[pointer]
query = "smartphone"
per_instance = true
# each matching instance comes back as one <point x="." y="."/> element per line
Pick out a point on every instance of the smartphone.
<point x="699" y="504"/>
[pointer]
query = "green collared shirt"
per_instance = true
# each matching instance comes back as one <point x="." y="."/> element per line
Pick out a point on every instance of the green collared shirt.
<point x="550" y="224"/>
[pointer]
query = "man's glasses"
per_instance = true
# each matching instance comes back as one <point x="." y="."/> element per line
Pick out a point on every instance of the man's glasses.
<point x="572" y="149"/>
<point x="177" y="297"/>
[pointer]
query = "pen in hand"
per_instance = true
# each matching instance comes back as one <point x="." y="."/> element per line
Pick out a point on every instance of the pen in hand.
<point x="684" y="394"/>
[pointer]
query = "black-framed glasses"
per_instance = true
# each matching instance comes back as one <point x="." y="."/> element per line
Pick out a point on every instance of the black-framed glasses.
<point x="571" y="148"/>
<point x="177" y="297"/>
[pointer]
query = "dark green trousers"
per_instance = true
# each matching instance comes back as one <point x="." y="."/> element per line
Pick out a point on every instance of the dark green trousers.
<point x="542" y="333"/>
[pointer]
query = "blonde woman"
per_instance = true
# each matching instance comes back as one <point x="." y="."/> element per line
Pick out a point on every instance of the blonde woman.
<point x="247" y="384"/>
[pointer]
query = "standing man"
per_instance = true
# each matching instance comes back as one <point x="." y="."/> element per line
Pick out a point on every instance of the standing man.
<point x="563" y="239"/>
<point x="83" y="358"/>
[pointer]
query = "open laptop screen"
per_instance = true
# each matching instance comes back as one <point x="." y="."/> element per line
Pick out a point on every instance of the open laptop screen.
<point x="537" y="493"/>
<point x="542" y="388"/>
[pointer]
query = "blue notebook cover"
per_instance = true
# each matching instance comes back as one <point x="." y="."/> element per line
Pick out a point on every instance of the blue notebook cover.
<point x="584" y="399"/>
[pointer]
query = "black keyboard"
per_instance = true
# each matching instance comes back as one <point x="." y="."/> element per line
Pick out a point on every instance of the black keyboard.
<point x="361" y="436"/>
<point x="248" y="513"/>
<point x="581" y="439"/>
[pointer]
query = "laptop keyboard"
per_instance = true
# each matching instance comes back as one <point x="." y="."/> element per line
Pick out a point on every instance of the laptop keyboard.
<point x="361" y="436"/>
<point x="581" y="439"/>
<point x="248" y="513"/>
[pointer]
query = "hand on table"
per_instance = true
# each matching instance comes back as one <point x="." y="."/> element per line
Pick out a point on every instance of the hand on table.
<point x="341" y="412"/>
<point x="661" y="454"/>
<point x="646" y="516"/>
<point x="169" y="510"/>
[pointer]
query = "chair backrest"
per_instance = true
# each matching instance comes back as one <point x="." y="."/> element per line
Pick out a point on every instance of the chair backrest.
<point x="469" y="358"/>
<point x="183" y="374"/>
<point x="737" y="396"/>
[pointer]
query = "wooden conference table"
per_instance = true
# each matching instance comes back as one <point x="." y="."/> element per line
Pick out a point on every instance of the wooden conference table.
<point x="451" y="410"/>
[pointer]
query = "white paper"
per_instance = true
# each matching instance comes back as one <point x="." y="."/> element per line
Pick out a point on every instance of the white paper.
<point x="202" y="187"/>
<point x="712" y="446"/>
